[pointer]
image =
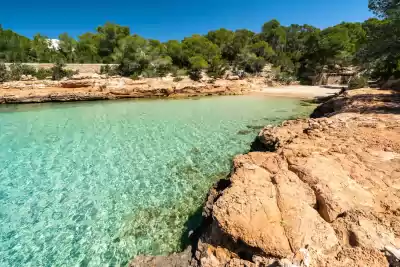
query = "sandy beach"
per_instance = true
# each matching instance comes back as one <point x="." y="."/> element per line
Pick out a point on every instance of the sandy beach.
<point x="302" y="91"/>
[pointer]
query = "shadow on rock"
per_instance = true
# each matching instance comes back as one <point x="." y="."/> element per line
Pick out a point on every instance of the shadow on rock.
<point x="361" y="101"/>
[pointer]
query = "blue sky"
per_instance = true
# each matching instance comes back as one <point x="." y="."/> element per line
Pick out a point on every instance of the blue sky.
<point x="172" y="19"/>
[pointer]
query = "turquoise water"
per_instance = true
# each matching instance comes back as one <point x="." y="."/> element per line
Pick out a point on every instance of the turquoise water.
<point x="95" y="183"/>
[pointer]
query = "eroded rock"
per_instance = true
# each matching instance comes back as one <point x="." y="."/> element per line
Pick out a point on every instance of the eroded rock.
<point x="248" y="211"/>
<point x="332" y="183"/>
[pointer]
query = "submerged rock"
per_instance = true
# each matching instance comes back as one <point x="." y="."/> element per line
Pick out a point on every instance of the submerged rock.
<point x="174" y="260"/>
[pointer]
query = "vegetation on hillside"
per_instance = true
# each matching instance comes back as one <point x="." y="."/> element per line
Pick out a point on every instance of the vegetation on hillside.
<point x="296" y="51"/>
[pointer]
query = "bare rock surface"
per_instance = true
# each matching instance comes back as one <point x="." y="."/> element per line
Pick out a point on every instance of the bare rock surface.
<point x="249" y="211"/>
<point x="93" y="86"/>
<point x="328" y="193"/>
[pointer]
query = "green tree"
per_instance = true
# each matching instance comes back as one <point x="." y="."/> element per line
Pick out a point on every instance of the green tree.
<point x="133" y="54"/>
<point x="217" y="67"/>
<point x="241" y="40"/>
<point x="161" y="66"/>
<point x="197" y="65"/>
<point x="297" y="41"/>
<point x="67" y="47"/>
<point x="3" y="73"/>
<point x="262" y="49"/>
<point x="224" y="39"/>
<point x="301" y="50"/>
<point x="274" y="34"/>
<point x="384" y="8"/>
<point x="14" y="47"/>
<point x="198" y="45"/>
<point x="380" y="53"/>
<point x="87" y="48"/>
<point x="250" y="62"/>
<point x="58" y="70"/>
<point x="109" y="35"/>
<point x="174" y="50"/>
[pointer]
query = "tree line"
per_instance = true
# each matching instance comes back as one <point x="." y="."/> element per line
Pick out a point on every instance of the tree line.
<point x="296" y="51"/>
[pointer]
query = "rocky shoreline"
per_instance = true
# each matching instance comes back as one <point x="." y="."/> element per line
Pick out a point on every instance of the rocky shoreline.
<point x="100" y="87"/>
<point x="322" y="192"/>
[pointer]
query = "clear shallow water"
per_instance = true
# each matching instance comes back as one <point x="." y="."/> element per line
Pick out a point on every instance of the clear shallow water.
<point x="90" y="184"/>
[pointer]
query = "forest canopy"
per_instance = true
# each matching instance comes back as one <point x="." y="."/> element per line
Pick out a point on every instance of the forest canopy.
<point x="299" y="51"/>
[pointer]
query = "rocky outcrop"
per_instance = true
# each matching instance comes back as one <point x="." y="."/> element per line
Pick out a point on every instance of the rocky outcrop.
<point x="95" y="87"/>
<point x="360" y="101"/>
<point x="327" y="194"/>
<point x="321" y="192"/>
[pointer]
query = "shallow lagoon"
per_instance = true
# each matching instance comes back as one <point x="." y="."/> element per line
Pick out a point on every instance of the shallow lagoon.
<point x="95" y="183"/>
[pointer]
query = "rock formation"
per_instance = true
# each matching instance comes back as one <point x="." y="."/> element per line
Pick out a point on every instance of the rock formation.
<point x="327" y="193"/>
<point x="323" y="192"/>
<point x="95" y="87"/>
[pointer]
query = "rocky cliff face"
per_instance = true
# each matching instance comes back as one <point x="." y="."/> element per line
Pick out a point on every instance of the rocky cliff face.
<point x="322" y="192"/>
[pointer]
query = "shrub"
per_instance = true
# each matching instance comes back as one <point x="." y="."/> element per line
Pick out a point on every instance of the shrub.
<point x="177" y="72"/>
<point x="162" y="66"/>
<point x="18" y="69"/>
<point x="217" y="68"/>
<point x="108" y="70"/>
<point x="195" y="75"/>
<point x="28" y="70"/>
<point x="197" y="64"/>
<point x="3" y="73"/>
<point x="285" y="78"/>
<point x="236" y="70"/>
<point x="105" y="69"/>
<point x="127" y="68"/>
<point x="15" y="72"/>
<point x="177" y="79"/>
<point x="182" y="72"/>
<point x="58" y="71"/>
<point x="150" y="73"/>
<point x="250" y="63"/>
<point x="135" y="76"/>
<point x="174" y="71"/>
<point x="43" y="74"/>
<point x="358" y="82"/>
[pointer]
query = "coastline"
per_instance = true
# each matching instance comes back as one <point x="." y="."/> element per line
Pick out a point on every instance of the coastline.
<point x="303" y="196"/>
<point x="312" y="192"/>
<point x="95" y="87"/>
<point x="300" y="91"/>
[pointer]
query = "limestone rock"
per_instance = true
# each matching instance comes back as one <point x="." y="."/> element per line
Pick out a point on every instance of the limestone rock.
<point x="27" y="78"/>
<point x="94" y="86"/>
<point x="302" y="223"/>
<point x="76" y="83"/>
<point x="333" y="185"/>
<point x="248" y="211"/>
<point x="336" y="192"/>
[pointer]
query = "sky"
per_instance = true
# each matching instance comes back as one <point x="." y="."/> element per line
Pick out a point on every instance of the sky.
<point x="172" y="19"/>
